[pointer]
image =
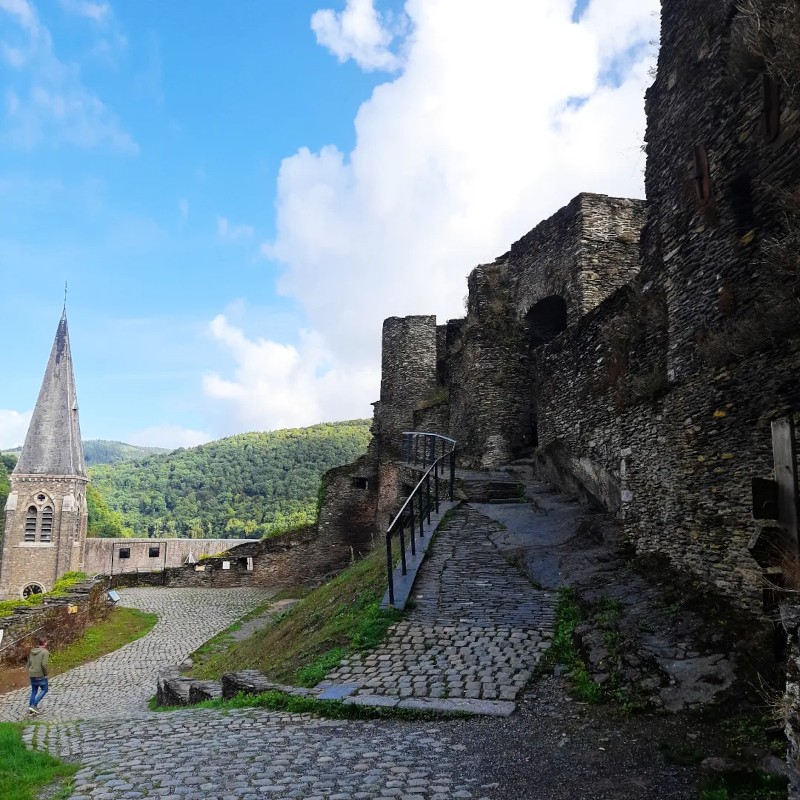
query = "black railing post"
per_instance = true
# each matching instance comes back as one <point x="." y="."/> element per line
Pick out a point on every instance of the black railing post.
<point x="403" y="547"/>
<point x="428" y="495"/>
<point x="423" y="500"/>
<point x="390" y="566"/>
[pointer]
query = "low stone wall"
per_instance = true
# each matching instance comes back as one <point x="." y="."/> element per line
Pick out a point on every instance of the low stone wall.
<point x="298" y="558"/>
<point x="61" y="619"/>
<point x="111" y="556"/>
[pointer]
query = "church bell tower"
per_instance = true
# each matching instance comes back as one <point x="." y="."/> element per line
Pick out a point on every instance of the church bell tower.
<point x="46" y="515"/>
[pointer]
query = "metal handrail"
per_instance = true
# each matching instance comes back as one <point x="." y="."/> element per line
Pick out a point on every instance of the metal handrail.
<point x="420" y="502"/>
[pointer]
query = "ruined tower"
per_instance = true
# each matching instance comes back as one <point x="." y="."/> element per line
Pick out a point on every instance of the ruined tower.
<point x="46" y="513"/>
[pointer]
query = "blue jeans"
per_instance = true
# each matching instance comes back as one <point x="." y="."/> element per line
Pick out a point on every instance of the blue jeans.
<point x="38" y="685"/>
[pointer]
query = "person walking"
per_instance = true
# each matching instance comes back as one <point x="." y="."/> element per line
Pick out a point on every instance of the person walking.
<point x="37" y="672"/>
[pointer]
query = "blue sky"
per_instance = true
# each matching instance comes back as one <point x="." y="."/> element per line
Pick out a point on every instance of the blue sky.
<point x="238" y="193"/>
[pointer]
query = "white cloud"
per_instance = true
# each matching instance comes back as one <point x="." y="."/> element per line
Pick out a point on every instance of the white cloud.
<point x="170" y="436"/>
<point x="47" y="100"/>
<point x="503" y="111"/>
<point x="361" y="33"/>
<point x="233" y="233"/>
<point x="13" y="425"/>
<point x="282" y="386"/>
<point x="97" y="12"/>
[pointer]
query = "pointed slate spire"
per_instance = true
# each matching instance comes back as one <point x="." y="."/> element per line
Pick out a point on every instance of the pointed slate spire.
<point x="53" y="444"/>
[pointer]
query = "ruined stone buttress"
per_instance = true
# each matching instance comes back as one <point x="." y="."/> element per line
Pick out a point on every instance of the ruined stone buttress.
<point x="46" y="514"/>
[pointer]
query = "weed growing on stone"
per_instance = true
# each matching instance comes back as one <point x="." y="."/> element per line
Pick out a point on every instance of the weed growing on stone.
<point x="747" y="786"/>
<point x="563" y="650"/>
<point x="25" y="773"/>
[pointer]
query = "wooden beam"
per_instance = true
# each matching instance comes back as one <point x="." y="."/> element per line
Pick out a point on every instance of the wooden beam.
<point x="785" y="453"/>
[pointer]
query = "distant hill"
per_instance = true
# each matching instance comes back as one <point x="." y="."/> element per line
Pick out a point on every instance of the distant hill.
<point x="104" y="451"/>
<point x="249" y="485"/>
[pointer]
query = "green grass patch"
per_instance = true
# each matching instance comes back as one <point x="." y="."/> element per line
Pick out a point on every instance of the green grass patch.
<point x="340" y="617"/>
<point x="751" y="786"/>
<point x="220" y="643"/>
<point x="25" y="773"/>
<point x="330" y="709"/>
<point x="60" y="588"/>
<point x="563" y="650"/>
<point x="120" y="627"/>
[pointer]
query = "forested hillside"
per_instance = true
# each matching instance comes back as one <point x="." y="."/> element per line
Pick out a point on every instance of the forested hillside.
<point x="7" y="463"/>
<point x="103" y="451"/>
<point x="249" y="485"/>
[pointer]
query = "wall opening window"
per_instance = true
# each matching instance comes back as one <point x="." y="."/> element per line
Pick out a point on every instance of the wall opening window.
<point x="31" y="589"/>
<point x="30" y="523"/>
<point x="545" y="320"/>
<point x="154" y="552"/>
<point x="124" y="552"/>
<point x="46" y="531"/>
<point x="361" y="483"/>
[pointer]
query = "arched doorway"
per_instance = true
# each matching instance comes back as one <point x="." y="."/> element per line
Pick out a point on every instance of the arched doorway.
<point x="543" y="322"/>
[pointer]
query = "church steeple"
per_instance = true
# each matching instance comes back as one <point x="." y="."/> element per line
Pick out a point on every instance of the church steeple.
<point x="53" y="443"/>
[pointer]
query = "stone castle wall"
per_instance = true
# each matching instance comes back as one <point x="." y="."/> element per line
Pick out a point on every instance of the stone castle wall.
<point x="106" y="556"/>
<point x="642" y="351"/>
<point x="299" y="558"/>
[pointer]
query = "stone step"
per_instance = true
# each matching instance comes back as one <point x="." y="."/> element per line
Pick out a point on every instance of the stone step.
<point x="172" y="689"/>
<point x="204" y="690"/>
<point x="251" y="681"/>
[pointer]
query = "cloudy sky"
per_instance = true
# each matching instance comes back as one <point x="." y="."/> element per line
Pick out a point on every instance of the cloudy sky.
<point x="238" y="193"/>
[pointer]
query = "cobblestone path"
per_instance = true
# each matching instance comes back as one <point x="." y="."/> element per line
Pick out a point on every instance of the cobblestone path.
<point x="120" y="684"/>
<point x="253" y="754"/>
<point x="477" y="629"/>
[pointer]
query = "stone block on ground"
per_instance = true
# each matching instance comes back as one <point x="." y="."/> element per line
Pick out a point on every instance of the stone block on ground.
<point x="172" y="689"/>
<point x="204" y="690"/>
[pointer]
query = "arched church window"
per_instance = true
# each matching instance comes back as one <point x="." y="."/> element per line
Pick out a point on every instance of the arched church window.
<point x="46" y="530"/>
<point x="31" y="589"/>
<point x="30" y="523"/>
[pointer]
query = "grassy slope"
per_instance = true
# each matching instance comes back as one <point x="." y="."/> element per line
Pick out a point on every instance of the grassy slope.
<point x="23" y="772"/>
<point x="120" y="627"/>
<point x="342" y="616"/>
<point x="123" y="625"/>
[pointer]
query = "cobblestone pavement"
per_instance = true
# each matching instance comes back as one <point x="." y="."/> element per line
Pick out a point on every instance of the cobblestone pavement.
<point x="120" y="683"/>
<point x="252" y="754"/>
<point x="477" y="629"/>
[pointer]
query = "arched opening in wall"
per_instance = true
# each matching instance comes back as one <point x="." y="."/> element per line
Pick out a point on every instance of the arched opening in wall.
<point x="30" y="523"/>
<point x="32" y="589"/>
<point x="545" y="320"/>
<point x="46" y="531"/>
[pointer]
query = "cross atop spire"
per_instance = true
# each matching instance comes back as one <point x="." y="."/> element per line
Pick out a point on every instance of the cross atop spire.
<point x="53" y="444"/>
